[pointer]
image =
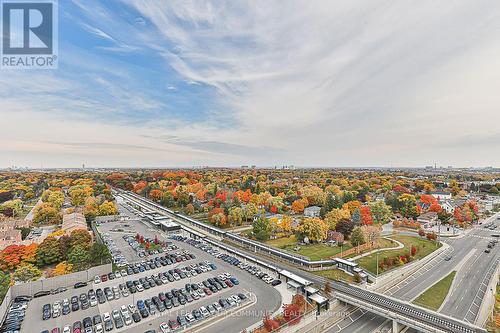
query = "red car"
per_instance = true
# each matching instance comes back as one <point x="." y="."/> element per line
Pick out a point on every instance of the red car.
<point x="207" y="291"/>
<point x="229" y="283"/>
<point x="173" y="324"/>
<point x="104" y="278"/>
<point x="56" y="330"/>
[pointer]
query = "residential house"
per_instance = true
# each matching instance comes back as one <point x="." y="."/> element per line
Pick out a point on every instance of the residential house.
<point x="313" y="211"/>
<point x="441" y="195"/>
<point x="72" y="222"/>
<point x="428" y="220"/>
<point x="10" y="237"/>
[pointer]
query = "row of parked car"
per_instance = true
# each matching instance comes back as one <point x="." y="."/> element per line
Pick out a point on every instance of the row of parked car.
<point x="134" y="313"/>
<point x="15" y="315"/>
<point x="197" y="315"/>
<point x="116" y="254"/>
<point x="100" y="296"/>
<point x="254" y="270"/>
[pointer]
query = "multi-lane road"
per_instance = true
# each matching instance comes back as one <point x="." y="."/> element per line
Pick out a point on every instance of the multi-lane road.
<point x="474" y="270"/>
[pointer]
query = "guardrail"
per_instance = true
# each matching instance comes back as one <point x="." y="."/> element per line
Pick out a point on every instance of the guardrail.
<point x="409" y="312"/>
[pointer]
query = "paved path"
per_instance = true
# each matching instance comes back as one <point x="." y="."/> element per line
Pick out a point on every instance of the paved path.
<point x="400" y="246"/>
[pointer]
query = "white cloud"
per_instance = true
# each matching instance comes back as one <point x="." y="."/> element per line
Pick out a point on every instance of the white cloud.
<point x="334" y="83"/>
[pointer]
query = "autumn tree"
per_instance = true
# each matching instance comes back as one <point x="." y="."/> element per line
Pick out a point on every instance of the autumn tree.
<point x="45" y="213"/>
<point x="366" y="215"/>
<point x="80" y="237"/>
<point x="62" y="268"/>
<point x="235" y="215"/>
<point x="298" y="206"/>
<point x="189" y="209"/>
<point x="345" y="227"/>
<point x="314" y="195"/>
<point x="250" y="210"/>
<point x="155" y="195"/>
<point x="91" y="208"/>
<point x="108" y="208"/>
<point x="11" y="257"/>
<point x="335" y="216"/>
<point x="313" y="228"/>
<point x="79" y="193"/>
<point x="381" y="212"/>
<point x="26" y="273"/>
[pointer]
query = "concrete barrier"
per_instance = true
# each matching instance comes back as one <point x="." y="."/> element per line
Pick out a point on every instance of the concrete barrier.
<point x="67" y="281"/>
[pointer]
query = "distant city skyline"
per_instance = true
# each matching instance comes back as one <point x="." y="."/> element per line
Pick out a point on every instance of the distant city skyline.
<point x="337" y="83"/>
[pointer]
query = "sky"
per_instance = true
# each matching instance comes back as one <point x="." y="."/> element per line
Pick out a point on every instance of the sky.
<point x="230" y="83"/>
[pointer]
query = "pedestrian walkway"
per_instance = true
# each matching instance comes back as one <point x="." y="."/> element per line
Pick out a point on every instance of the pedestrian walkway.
<point x="399" y="246"/>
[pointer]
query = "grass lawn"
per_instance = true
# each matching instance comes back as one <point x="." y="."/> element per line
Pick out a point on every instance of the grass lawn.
<point x="335" y="274"/>
<point x="424" y="247"/>
<point x="433" y="297"/>
<point x="312" y="251"/>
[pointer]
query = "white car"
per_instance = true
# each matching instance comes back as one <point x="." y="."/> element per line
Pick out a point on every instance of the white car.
<point x="164" y="328"/>
<point x="93" y="301"/>
<point x="131" y="308"/>
<point x="190" y="318"/>
<point x="124" y="310"/>
<point x="97" y="279"/>
<point x="127" y="319"/>
<point x="98" y="328"/>
<point x="140" y="288"/>
<point x="204" y="312"/>
<point x="106" y="316"/>
<point x="118" y="274"/>
<point x="67" y="329"/>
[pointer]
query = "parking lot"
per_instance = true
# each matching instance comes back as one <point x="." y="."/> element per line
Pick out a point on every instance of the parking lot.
<point x="261" y="295"/>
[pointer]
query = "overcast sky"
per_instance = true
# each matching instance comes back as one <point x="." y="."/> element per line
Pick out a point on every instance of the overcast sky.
<point x="308" y="83"/>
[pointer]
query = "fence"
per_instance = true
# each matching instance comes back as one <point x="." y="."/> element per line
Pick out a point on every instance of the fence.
<point x="67" y="280"/>
<point x="355" y="250"/>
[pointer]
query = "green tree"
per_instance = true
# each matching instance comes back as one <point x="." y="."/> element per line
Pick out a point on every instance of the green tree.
<point x="26" y="272"/>
<point x="235" y="215"/>
<point x="262" y="229"/>
<point x="99" y="253"/>
<point x="356" y="217"/>
<point x="381" y="212"/>
<point x="79" y="258"/>
<point x="167" y="200"/>
<point x="80" y="237"/>
<point x="4" y="284"/>
<point x="249" y="211"/>
<point x="48" y="252"/>
<point x="357" y="237"/>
